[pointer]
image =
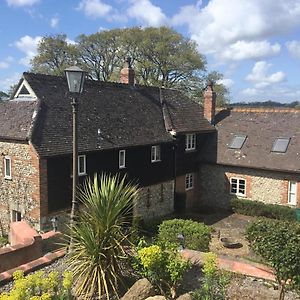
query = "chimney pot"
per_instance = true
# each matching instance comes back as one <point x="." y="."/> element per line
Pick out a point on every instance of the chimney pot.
<point x="209" y="104"/>
<point x="127" y="73"/>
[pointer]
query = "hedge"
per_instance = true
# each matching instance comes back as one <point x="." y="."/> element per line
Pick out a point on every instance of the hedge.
<point x="257" y="208"/>
<point x="197" y="235"/>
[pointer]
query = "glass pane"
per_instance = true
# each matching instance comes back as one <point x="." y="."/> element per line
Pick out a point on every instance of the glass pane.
<point x="292" y="187"/>
<point x="237" y="141"/>
<point x="7" y="167"/>
<point x="280" y="145"/>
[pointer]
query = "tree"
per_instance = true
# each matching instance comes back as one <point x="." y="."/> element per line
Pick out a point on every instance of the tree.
<point x="279" y="243"/>
<point x="99" y="234"/>
<point x="160" y="57"/>
<point x="55" y="54"/>
<point x="3" y="96"/>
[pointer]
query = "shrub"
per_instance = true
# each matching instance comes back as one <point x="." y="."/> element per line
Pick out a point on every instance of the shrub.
<point x="197" y="236"/>
<point x="40" y="287"/>
<point x="257" y="208"/>
<point x="214" y="281"/>
<point x="164" y="268"/>
<point x="278" y="243"/>
<point x="3" y="241"/>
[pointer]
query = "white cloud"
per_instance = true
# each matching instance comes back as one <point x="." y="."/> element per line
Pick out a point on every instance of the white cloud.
<point x="261" y="79"/>
<point x="226" y="81"/>
<point x="222" y="24"/>
<point x="4" y="64"/>
<point x="147" y="13"/>
<point x="28" y="45"/>
<point x="54" y="22"/>
<point x="20" y="3"/>
<point x="8" y="81"/>
<point x="242" y="50"/>
<point x="94" y="8"/>
<point x="294" y="48"/>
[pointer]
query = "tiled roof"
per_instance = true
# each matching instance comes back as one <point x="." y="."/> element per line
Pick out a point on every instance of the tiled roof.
<point x="16" y="118"/>
<point x="111" y="115"/>
<point x="262" y="127"/>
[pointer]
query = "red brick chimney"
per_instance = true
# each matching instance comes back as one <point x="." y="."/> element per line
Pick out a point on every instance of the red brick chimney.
<point x="127" y="73"/>
<point x="209" y="104"/>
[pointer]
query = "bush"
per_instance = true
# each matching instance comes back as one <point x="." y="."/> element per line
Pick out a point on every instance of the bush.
<point x="214" y="281"/>
<point x="40" y="287"/>
<point x="3" y="241"/>
<point x="257" y="208"/>
<point x="197" y="236"/>
<point x="278" y="243"/>
<point x="164" y="268"/>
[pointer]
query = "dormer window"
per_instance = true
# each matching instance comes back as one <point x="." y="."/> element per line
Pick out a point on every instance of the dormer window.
<point x="190" y="142"/>
<point x="155" y="153"/>
<point x="237" y="141"/>
<point x="280" y="145"/>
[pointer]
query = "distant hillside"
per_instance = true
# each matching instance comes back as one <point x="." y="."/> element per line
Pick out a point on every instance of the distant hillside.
<point x="295" y="104"/>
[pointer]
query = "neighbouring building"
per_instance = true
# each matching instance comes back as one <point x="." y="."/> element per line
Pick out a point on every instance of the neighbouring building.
<point x="253" y="154"/>
<point x="152" y="134"/>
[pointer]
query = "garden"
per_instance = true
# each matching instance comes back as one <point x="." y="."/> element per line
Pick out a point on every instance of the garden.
<point x="111" y="251"/>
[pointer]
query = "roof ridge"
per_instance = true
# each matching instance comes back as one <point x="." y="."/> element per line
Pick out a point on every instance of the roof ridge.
<point x="260" y="109"/>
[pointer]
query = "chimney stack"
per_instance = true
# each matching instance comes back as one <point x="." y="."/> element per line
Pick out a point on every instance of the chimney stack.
<point x="209" y="104"/>
<point x="127" y="73"/>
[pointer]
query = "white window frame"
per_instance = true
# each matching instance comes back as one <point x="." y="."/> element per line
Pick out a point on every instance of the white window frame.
<point x="238" y="183"/>
<point x="7" y="176"/>
<point x="122" y="159"/>
<point x="155" y="153"/>
<point x="292" y="195"/>
<point x="190" y="142"/>
<point x="84" y="165"/>
<point x="189" y="181"/>
<point x="16" y="216"/>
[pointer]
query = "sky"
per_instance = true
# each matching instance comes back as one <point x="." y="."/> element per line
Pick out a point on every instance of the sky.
<point x="255" y="44"/>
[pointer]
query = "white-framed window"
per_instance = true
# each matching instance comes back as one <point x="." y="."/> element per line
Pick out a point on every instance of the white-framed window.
<point x="189" y="181"/>
<point x="238" y="186"/>
<point x="16" y="216"/>
<point x="122" y="159"/>
<point x="155" y="153"/>
<point x="292" y="193"/>
<point x="190" y="142"/>
<point x="81" y="165"/>
<point x="7" y="167"/>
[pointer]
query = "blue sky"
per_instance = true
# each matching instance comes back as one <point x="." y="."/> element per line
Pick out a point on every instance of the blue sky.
<point x="254" y="43"/>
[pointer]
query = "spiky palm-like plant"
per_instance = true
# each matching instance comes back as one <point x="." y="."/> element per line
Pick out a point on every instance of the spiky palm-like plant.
<point x="99" y="235"/>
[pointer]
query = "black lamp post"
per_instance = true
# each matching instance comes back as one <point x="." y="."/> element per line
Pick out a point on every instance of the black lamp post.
<point x="75" y="77"/>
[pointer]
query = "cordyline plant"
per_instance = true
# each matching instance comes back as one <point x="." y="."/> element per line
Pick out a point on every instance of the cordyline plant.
<point x="99" y="234"/>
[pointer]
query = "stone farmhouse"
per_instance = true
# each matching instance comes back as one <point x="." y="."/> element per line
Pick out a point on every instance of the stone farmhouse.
<point x="154" y="135"/>
<point x="255" y="154"/>
<point x="182" y="156"/>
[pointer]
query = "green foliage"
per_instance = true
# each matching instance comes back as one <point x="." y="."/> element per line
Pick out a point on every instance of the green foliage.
<point x="38" y="286"/>
<point x="3" y="240"/>
<point x="164" y="268"/>
<point x="197" y="235"/>
<point x="100" y="234"/>
<point x="214" y="281"/>
<point x="278" y="243"/>
<point x="160" y="57"/>
<point x="257" y="208"/>
<point x="3" y="96"/>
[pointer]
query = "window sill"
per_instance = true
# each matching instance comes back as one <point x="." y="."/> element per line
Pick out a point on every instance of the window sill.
<point x="7" y="178"/>
<point x="190" y="150"/>
<point x="190" y="188"/>
<point x="122" y="167"/>
<point x="82" y="174"/>
<point x="155" y="161"/>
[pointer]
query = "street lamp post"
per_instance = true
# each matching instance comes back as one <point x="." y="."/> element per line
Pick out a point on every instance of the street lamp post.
<point x="75" y="78"/>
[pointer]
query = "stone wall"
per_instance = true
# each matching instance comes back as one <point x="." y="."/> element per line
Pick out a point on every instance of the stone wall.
<point x="21" y="192"/>
<point x="155" y="201"/>
<point x="266" y="186"/>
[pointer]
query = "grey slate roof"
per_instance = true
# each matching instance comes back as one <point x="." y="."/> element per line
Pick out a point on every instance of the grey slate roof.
<point x="16" y="119"/>
<point x="262" y="127"/>
<point x="111" y="115"/>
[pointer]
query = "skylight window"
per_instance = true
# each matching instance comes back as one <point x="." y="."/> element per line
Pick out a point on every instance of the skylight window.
<point x="280" y="145"/>
<point x="237" y="141"/>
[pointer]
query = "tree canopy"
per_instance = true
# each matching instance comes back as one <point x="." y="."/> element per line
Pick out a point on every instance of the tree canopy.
<point x="3" y="96"/>
<point x="160" y="56"/>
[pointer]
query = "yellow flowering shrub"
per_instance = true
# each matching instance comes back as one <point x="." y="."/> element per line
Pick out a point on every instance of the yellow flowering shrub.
<point x="38" y="286"/>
